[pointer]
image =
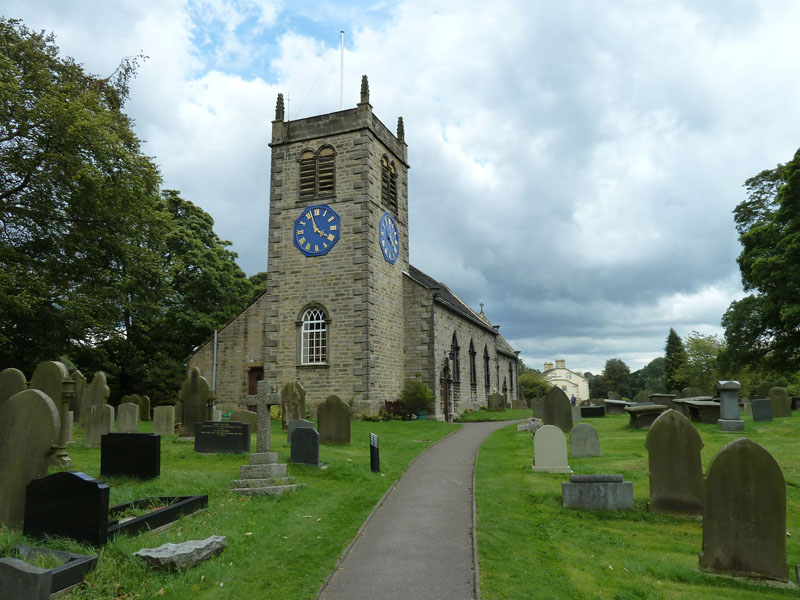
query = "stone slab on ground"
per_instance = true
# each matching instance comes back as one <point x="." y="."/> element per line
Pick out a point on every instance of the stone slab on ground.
<point x="597" y="492"/>
<point x="183" y="555"/>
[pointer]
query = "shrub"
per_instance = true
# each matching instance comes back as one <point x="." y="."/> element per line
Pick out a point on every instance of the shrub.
<point x="417" y="396"/>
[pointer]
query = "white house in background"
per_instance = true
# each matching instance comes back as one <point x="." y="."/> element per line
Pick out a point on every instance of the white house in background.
<point x="571" y="382"/>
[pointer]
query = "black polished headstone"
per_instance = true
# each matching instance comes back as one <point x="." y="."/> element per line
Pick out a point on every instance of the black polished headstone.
<point x="224" y="437"/>
<point x="67" y="504"/>
<point x="374" y="456"/>
<point x="589" y="412"/>
<point x="305" y="446"/>
<point x="762" y="409"/>
<point x="131" y="455"/>
<point x="297" y="424"/>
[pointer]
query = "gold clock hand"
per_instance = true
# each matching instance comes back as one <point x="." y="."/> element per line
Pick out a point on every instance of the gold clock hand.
<point x="314" y="225"/>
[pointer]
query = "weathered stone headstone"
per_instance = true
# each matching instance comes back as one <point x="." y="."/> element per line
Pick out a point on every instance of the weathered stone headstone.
<point x="195" y="395"/>
<point x="762" y="391"/>
<point x="127" y="418"/>
<point x="305" y="446"/>
<point x="597" y="492"/>
<point x="576" y="414"/>
<point x="164" y="420"/>
<point x="744" y="513"/>
<point x="297" y="424"/>
<point x="70" y="423"/>
<point x="517" y="404"/>
<point x="12" y="382"/>
<point x="144" y="408"/>
<point x="496" y="402"/>
<point x="676" y="473"/>
<point x="293" y="403"/>
<point x="691" y="392"/>
<point x="216" y="414"/>
<point x="245" y="416"/>
<point x="729" y="419"/>
<point x="101" y="422"/>
<point x="584" y="441"/>
<point x="179" y="411"/>
<point x="77" y="400"/>
<point x="550" y="450"/>
<point x="643" y="396"/>
<point x="781" y="402"/>
<point x="762" y="409"/>
<point x="667" y="400"/>
<point x="53" y="379"/>
<point x="28" y="428"/>
<point x="557" y="410"/>
<point x="96" y="394"/>
<point x="333" y="420"/>
<point x="184" y="555"/>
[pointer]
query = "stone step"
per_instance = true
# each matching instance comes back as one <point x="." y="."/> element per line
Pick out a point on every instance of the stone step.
<point x="272" y="490"/>
<point x="263" y="471"/>
<point x="263" y="458"/>
<point x="242" y="483"/>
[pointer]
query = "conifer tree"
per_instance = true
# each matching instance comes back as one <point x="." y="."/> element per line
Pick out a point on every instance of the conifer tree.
<point x="675" y="362"/>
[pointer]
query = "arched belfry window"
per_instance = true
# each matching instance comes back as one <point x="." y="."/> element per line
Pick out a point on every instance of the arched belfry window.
<point x="317" y="173"/>
<point x="487" y="378"/>
<point x="473" y="371"/>
<point x="388" y="184"/>
<point x="314" y="337"/>
<point x="454" y="350"/>
<point x="511" y="378"/>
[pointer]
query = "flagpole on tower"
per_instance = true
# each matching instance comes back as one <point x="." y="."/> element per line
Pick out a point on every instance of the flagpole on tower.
<point x="341" y="67"/>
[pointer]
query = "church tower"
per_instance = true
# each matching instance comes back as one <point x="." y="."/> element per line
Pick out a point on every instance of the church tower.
<point x="338" y="247"/>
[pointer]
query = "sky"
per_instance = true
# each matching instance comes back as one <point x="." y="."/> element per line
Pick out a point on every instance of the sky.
<point x="574" y="164"/>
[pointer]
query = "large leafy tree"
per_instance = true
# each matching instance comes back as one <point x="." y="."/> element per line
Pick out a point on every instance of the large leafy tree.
<point x="78" y="202"/>
<point x="764" y="327"/>
<point x="616" y="377"/>
<point x="650" y="377"/>
<point x="703" y="369"/>
<point x="675" y="362"/>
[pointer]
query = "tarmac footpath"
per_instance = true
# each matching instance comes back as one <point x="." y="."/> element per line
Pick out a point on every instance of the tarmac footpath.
<point x="419" y="542"/>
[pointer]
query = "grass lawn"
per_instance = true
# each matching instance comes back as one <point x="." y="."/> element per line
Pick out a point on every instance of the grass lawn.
<point x="277" y="548"/>
<point x="490" y="415"/>
<point x="529" y="546"/>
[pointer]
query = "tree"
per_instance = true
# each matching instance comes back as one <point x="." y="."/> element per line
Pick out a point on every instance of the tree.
<point x="764" y="327"/>
<point x="675" y="362"/>
<point x="259" y="284"/>
<point x="78" y="202"/>
<point x="533" y="384"/>
<point x="702" y="365"/>
<point x="650" y="377"/>
<point x="616" y="377"/>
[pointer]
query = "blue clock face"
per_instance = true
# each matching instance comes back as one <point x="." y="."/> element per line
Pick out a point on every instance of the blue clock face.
<point x="388" y="238"/>
<point x="316" y="230"/>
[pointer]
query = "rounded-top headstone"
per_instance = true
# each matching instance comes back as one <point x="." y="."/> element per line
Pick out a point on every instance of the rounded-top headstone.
<point x="584" y="441"/>
<point x="744" y="513"/>
<point x="12" y="381"/>
<point x="550" y="450"/>
<point x="676" y="472"/>
<point x="557" y="409"/>
<point x="333" y="420"/>
<point x="49" y="377"/>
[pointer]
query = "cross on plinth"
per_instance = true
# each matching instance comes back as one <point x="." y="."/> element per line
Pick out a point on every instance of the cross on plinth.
<point x="265" y="397"/>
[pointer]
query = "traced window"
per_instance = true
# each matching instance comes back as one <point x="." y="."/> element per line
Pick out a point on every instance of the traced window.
<point x="473" y="372"/>
<point x="388" y="184"/>
<point x="314" y="337"/>
<point x="487" y="378"/>
<point x="454" y="349"/>
<point x="511" y="378"/>
<point x="317" y="173"/>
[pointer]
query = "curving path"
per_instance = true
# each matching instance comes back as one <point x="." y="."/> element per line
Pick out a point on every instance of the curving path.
<point x="418" y="543"/>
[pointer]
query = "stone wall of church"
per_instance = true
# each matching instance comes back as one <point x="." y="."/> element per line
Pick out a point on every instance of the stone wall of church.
<point x="418" y="333"/>
<point x="239" y="349"/>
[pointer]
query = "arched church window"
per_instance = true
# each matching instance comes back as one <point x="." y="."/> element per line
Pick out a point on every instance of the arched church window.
<point x="473" y="372"/>
<point x="511" y="378"/>
<point x="317" y="173"/>
<point x="308" y="169"/>
<point x="454" y="350"/>
<point x="388" y="184"/>
<point x="486" y="374"/>
<point x="325" y="168"/>
<point x="314" y="337"/>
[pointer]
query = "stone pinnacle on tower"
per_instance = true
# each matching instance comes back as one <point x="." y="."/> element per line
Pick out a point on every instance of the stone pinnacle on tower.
<point x="364" y="90"/>
<point x="279" y="108"/>
<point x="401" y="130"/>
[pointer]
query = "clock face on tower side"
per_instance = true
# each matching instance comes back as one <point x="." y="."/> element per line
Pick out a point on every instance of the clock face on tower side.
<point x="388" y="238"/>
<point x="316" y="230"/>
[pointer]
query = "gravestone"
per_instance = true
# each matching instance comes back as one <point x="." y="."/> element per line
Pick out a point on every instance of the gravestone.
<point x="667" y="400"/>
<point x="615" y="407"/>
<point x="179" y="411"/>
<point x="128" y="418"/>
<point x="691" y="392"/>
<point x="592" y="411"/>
<point x="517" y="404"/>
<point x="643" y="396"/>
<point x="597" y="492"/>
<point x="216" y="414"/>
<point x="557" y="410"/>
<point x="293" y="403"/>
<point x="676" y="473"/>
<point x="333" y="420"/>
<point x="305" y="446"/>
<point x="550" y="450"/>
<point x="584" y="441"/>
<point x="221" y="437"/>
<point x="762" y="409"/>
<point x="76" y="403"/>
<point x="643" y="415"/>
<point x="496" y="402"/>
<point x="196" y="396"/>
<point x="702" y="411"/>
<point x="70" y="423"/>
<point x="374" y="454"/>
<point x="131" y="455"/>
<point x="144" y="408"/>
<point x="164" y="420"/>
<point x="29" y="425"/>
<point x="297" y="424"/>
<point x="12" y="382"/>
<point x="576" y="414"/>
<point x="781" y="403"/>
<point x="52" y="378"/>
<point x="762" y="391"/>
<point x="245" y="416"/>
<point x="729" y="419"/>
<point x="744" y="513"/>
<point x="101" y="422"/>
<point x="96" y="394"/>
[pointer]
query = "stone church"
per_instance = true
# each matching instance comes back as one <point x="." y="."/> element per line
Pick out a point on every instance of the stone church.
<point x="344" y="312"/>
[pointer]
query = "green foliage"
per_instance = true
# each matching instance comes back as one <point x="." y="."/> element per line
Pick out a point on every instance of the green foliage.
<point x="702" y="365"/>
<point x="764" y="327"/>
<point x="259" y="284"/>
<point x="650" y="377"/>
<point x="416" y="395"/>
<point x="533" y="384"/>
<point x="616" y="377"/>
<point x="675" y="362"/>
